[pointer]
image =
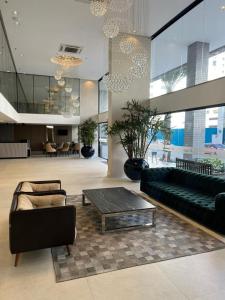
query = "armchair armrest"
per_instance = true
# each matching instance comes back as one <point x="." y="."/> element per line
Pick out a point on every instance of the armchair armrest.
<point x="154" y="174"/>
<point x="46" y="185"/>
<point x="41" y="228"/>
<point x="43" y="193"/>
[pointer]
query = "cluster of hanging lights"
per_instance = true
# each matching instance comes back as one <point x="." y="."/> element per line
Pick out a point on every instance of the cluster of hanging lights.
<point x="116" y="13"/>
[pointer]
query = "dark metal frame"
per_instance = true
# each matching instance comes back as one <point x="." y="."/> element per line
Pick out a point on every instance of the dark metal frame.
<point x="194" y="166"/>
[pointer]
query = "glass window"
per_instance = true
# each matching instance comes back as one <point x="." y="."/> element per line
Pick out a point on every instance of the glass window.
<point x="103" y="141"/>
<point x="197" y="135"/>
<point x="25" y="93"/>
<point x="7" y="71"/>
<point x="103" y="97"/>
<point x="191" y="51"/>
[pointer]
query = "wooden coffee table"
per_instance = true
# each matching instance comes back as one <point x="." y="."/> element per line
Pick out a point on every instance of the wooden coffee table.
<point x="112" y="202"/>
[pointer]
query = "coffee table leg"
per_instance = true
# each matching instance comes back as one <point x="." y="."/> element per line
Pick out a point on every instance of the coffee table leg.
<point x="83" y="199"/>
<point x="103" y="224"/>
<point x="153" y="217"/>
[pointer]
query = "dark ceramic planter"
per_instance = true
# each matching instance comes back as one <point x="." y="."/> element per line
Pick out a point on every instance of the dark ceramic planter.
<point x="134" y="167"/>
<point x="87" y="151"/>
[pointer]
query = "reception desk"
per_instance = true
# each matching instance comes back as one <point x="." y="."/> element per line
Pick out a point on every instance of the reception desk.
<point x="13" y="150"/>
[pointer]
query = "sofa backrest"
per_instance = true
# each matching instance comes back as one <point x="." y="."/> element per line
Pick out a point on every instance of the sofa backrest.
<point x="204" y="183"/>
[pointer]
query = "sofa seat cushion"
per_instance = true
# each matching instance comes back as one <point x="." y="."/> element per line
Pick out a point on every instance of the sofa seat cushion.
<point x="185" y="194"/>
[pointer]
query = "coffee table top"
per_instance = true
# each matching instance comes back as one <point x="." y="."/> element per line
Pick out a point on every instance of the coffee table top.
<point x="116" y="200"/>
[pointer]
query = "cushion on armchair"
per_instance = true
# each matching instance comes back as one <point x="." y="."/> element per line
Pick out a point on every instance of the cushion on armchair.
<point x="39" y="187"/>
<point x="26" y="202"/>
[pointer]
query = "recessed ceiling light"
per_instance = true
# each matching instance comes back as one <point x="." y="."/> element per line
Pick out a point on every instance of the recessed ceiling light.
<point x="21" y="54"/>
<point x="15" y="13"/>
<point x="223" y="7"/>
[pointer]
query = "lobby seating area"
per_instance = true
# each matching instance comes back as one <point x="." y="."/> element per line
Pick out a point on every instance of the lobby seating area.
<point x="200" y="197"/>
<point x="112" y="150"/>
<point x="39" y="217"/>
<point x="65" y="149"/>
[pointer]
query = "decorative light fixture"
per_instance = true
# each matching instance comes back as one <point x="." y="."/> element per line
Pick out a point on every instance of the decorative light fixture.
<point x="111" y="28"/>
<point x="116" y="82"/>
<point x="57" y="77"/>
<point x="140" y="59"/>
<point x="120" y="5"/>
<point x="98" y="7"/>
<point x="137" y="71"/>
<point x="127" y="45"/>
<point x="66" y="61"/>
<point x="15" y="17"/>
<point x="61" y="82"/>
<point x="68" y="89"/>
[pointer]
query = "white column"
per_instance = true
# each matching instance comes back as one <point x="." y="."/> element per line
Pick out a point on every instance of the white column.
<point x="139" y="90"/>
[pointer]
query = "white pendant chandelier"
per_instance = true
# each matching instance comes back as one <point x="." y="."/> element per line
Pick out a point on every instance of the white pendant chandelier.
<point x="127" y="45"/>
<point x="61" y="82"/>
<point x="98" y="7"/>
<point x="120" y="5"/>
<point x="111" y="28"/>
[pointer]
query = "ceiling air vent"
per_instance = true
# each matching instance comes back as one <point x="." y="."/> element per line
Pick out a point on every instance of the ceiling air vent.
<point x="70" y="49"/>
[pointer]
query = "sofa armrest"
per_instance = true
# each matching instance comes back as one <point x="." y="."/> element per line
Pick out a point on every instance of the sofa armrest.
<point x="154" y="174"/>
<point x="41" y="228"/>
<point x="220" y="203"/>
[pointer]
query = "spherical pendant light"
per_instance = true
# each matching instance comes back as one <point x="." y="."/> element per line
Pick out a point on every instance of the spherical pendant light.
<point x="111" y="29"/>
<point x="127" y="45"/>
<point x="120" y="5"/>
<point x="116" y="82"/>
<point x="98" y="7"/>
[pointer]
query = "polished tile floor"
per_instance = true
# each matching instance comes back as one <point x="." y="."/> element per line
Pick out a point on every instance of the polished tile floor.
<point x="195" y="277"/>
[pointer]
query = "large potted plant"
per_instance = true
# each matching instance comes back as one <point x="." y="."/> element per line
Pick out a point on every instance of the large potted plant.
<point x="87" y="137"/>
<point x="136" y="131"/>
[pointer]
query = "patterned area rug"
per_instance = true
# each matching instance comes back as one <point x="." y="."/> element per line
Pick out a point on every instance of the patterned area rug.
<point x="95" y="253"/>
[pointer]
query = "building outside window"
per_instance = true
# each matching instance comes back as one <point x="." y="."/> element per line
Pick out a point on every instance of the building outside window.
<point x="103" y="141"/>
<point x="103" y="97"/>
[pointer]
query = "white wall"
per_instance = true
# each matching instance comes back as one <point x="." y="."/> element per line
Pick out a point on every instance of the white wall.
<point x="7" y="112"/>
<point x="48" y="119"/>
<point x="211" y="93"/>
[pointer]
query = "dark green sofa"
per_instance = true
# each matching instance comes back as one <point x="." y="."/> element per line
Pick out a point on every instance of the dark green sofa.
<point x="201" y="197"/>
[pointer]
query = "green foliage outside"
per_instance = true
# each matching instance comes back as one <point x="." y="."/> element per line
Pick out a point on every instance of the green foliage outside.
<point x="217" y="164"/>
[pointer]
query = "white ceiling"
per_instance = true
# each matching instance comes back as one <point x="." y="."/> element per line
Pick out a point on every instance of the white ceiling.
<point x="205" y="23"/>
<point x="47" y="23"/>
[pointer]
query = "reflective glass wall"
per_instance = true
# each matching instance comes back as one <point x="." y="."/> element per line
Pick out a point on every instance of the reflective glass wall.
<point x="8" y="80"/>
<point x="42" y="95"/>
<point x="191" y="51"/>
